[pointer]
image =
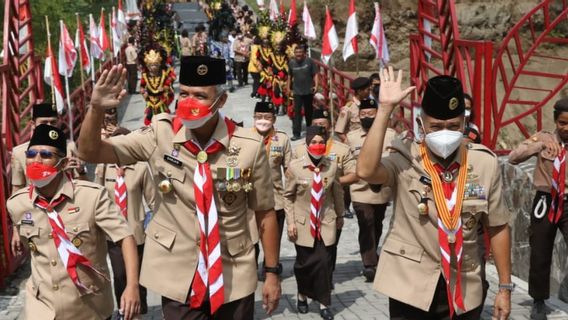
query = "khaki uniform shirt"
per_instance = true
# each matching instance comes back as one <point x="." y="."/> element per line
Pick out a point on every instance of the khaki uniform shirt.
<point x="298" y="199"/>
<point x="336" y="151"/>
<point x="171" y="252"/>
<point x="18" y="163"/>
<point x="348" y="119"/>
<point x="535" y="146"/>
<point x="89" y="217"/>
<point x="361" y="191"/>
<point x="410" y="263"/>
<point x="131" y="54"/>
<point x="139" y="185"/>
<point x="279" y="153"/>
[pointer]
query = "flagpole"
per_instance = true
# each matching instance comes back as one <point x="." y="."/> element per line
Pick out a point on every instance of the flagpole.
<point x="330" y="94"/>
<point x="111" y="42"/>
<point x="81" y="60"/>
<point x="92" y="58"/>
<point x="53" y="102"/>
<point x="69" y="108"/>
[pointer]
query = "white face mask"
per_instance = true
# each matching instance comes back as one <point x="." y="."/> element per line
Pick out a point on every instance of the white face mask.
<point x="44" y="182"/>
<point x="444" y="142"/>
<point x="263" y="125"/>
<point x="194" y="124"/>
<point x="467" y="113"/>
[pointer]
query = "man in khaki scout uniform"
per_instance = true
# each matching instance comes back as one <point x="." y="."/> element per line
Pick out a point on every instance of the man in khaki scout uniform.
<point x="443" y="188"/>
<point x="209" y="173"/>
<point x="66" y="223"/>
<point x="369" y="201"/>
<point x="549" y="207"/>
<point x="128" y="186"/>
<point x="43" y="113"/>
<point x="348" y="119"/>
<point x="279" y="153"/>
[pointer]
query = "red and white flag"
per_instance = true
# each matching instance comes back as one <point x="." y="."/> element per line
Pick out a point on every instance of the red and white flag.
<point x="274" y="12"/>
<point x="132" y="12"/>
<point x="96" y="50"/>
<point x="350" y="46"/>
<point x="81" y="45"/>
<point x="116" y="36"/>
<point x="121" y="20"/>
<point x="378" y="39"/>
<point x="309" y="29"/>
<point x="292" y="19"/>
<point x="330" y="39"/>
<point x="67" y="52"/>
<point x="103" y="37"/>
<point x="51" y="77"/>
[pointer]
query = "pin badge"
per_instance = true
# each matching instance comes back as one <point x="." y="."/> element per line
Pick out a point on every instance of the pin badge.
<point x="165" y="186"/>
<point x="202" y="156"/>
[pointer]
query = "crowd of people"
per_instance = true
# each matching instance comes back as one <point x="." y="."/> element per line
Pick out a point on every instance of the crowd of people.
<point x="215" y="191"/>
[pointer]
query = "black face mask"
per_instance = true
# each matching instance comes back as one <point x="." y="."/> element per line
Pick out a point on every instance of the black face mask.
<point x="367" y="123"/>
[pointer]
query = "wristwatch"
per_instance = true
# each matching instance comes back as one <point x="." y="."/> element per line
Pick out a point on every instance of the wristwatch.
<point x="507" y="286"/>
<point x="276" y="270"/>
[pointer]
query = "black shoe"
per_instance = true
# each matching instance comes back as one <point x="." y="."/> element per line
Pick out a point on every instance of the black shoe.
<point x="348" y="214"/>
<point x="369" y="274"/>
<point x="294" y="138"/>
<point x="326" y="314"/>
<point x="302" y="306"/>
<point x="538" y="311"/>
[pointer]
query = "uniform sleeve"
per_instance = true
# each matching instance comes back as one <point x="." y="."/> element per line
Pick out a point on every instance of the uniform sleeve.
<point x="100" y="174"/>
<point x="135" y="146"/>
<point x="349" y="164"/>
<point x="109" y="219"/>
<point x="290" y="196"/>
<point x="338" y="196"/>
<point x="261" y="196"/>
<point x="148" y="187"/>
<point x="18" y="175"/>
<point x="342" y="120"/>
<point x="526" y="149"/>
<point x="390" y="164"/>
<point x="287" y="154"/>
<point x="497" y="214"/>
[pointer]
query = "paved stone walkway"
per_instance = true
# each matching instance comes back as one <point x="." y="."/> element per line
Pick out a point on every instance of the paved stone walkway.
<point x="352" y="298"/>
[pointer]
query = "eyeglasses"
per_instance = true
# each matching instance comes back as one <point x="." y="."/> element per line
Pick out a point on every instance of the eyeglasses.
<point x="44" y="154"/>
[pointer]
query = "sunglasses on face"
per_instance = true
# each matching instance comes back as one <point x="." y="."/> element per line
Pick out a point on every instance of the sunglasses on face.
<point x="44" y="154"/>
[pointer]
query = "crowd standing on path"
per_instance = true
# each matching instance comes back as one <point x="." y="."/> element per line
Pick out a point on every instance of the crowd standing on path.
<point x="214" y="190"/>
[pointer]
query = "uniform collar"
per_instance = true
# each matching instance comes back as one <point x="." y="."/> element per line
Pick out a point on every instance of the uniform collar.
<point x="220" y="134"/>
<point x="65" y="188"/>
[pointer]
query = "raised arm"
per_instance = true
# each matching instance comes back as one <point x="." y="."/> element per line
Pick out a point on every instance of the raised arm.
<point x="369" y="166"/>
<point x="107" y="93"/>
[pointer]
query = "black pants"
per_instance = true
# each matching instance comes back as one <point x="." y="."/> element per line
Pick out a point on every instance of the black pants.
<point x="241" y="69"/>
<point x="242" y="309"/>
<point x="132" y="77"/>
<point x="370" y="219"/>
<point x="439" y="309"/>
<point x="334" y="250"/>
<point x="300" y="101"/>
<point x="255" y="82"/>
<point x="119" y="273"/>
<point x="541" y="239"/>
<point x="346" y="198"/>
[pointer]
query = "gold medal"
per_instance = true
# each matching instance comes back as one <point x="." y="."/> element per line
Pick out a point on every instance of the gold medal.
<point x="165" y="186"/>
<point x="232" y="161"/>
<point x="77" y="242"/>
<point x="236" y="186"/>
<point x="247" y="187"/>
<point x="202" y="156"/>
<point x="32" y="246"/>
<point x="229" y="186"/>
<point x="451" y="238"/>
<point x="423" y="209"/>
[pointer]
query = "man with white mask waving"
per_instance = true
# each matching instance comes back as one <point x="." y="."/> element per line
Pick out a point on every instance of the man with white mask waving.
<point x="199" y="254"/>
<point x="443" y="188"/>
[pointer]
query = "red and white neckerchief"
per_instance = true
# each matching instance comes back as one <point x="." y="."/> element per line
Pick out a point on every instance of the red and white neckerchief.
<point x="70" y="255"/>
<point x="316" y="203"/>
<point x="448" y="197"/>
<point x="120" y="193"/>
<point x="209" y="273"/>
<point x="558" y="185"/>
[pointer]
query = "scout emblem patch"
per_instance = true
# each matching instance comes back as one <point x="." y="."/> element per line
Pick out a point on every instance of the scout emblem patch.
<point x="233" y="156"/>
<point x="229" y="198"/>
<point x="28" y="219"/>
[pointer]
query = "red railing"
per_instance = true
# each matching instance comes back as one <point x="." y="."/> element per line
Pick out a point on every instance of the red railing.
<point x="340" y="82"/>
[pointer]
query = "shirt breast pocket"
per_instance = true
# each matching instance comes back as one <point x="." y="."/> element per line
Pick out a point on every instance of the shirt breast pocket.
<point x="79" y="234"/>
<point x="31" y="236"/>
<point x="472" y="213"/>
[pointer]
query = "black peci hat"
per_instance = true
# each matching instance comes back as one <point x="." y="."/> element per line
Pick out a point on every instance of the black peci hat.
<point x="264" y="107"/>
<point x="44" y="110"/>
<point x="360" y="83"/>
<point x="46" y="135"/>
<point x="368" y="104"/>
<point x="443" y="98"/>
<point x="202" y="71"/>
<point x="320" y="114"/>
<point x="313" y="131"/>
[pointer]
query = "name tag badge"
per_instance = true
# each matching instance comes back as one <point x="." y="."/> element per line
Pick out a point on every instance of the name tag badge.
<point x="172" y="160"/>
<point x="425" y="180"/>
<point x="110" y="180"/>
<point x="28" y="222"/>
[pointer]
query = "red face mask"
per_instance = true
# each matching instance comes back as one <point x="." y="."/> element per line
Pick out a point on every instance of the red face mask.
<point x="40" y="174"/>
<point x="316" y="150"/>
<point x="193" y="113"/>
